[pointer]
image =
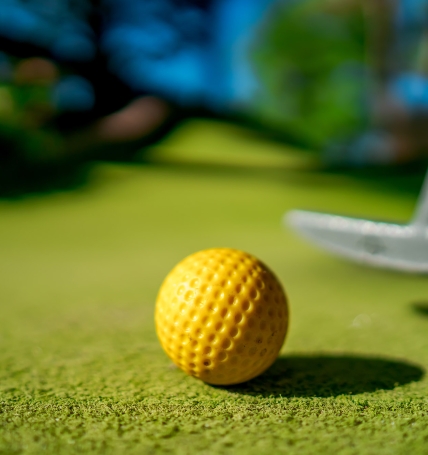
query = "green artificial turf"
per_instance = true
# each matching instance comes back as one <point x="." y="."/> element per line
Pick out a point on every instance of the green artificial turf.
<point x="81" y="370"/>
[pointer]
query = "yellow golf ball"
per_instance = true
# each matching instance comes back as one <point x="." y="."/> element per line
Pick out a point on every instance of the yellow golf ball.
<point x="222" y="316"/>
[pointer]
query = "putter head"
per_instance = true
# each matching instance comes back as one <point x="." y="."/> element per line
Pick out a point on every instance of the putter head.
<point x="393" y="246"/>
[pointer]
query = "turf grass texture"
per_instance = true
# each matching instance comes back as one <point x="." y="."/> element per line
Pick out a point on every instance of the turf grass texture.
<point x="81" y="370"/>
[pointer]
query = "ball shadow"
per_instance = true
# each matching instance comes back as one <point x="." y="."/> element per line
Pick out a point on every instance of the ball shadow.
<point x="330" y="375"/>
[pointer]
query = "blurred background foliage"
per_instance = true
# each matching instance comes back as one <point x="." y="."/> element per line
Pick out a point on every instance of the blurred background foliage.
<point x="103" y="79"/>
<point x="311" y="59"/>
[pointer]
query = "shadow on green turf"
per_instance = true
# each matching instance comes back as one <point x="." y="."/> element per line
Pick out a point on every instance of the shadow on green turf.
<point x="420" y="308"/>
<point x="28" y="180"/>
<point x="330" y="375"/>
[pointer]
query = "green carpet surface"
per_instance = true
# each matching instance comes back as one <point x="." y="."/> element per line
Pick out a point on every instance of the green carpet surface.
<point x="81" y="370"/>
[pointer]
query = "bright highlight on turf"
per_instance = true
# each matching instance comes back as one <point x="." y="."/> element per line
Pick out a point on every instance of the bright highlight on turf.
<point x="222" y="316"/>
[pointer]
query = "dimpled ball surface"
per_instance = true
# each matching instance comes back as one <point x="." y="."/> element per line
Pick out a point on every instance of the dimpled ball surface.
<point x="222" y="316"/>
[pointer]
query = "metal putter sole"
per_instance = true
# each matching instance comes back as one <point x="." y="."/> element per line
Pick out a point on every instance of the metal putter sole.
<point x="380" y="244"/>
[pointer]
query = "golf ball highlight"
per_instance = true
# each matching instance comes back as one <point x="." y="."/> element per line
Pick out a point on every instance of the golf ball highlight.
<point x="222" y="316"/>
